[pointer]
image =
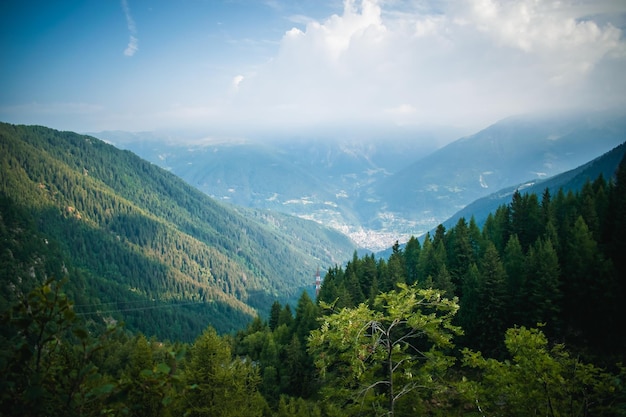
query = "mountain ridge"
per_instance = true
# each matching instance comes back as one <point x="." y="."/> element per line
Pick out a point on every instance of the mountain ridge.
<point x="572" y="180"/>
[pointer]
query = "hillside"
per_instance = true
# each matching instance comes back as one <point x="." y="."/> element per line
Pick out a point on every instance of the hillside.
<point x="509" y="152"/>
<point x="141" y="245"/>
<point x="572" y="180"/>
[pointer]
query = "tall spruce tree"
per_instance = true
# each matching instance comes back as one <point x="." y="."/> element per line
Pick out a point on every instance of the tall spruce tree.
<point x="493" y="301"/>
<point x="542" y="287"/>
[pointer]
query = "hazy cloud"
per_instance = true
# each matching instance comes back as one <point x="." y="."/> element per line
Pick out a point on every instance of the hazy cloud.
<point x="132" y="47"/>
<point x="237" y="80"/>
<point x="477" y="60"/>
<point x="133" y="42"/>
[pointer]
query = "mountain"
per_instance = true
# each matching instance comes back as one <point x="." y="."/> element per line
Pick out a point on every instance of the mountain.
<point x="572" y="180"/>
<point x="139" y="244"/>
<point x="313" y="178"/>
<point x="380" y="190"/>
<point x="511" y="151"/>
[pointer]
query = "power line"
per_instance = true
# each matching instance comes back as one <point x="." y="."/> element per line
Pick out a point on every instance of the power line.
<point x="124" y="310"/>
<point x="112" y="302"/>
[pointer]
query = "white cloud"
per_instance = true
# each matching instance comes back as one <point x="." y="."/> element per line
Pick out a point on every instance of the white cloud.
<point x="460" y="62"/>
<point x="237" y="80"/>
<point x="133" y="42"/>
<point x="133" y="45"/>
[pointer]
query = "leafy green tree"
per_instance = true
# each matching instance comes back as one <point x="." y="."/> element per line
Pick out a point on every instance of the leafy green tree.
<point x="541" y="381"/>
<point x="47" y="358"/>
<point x="387" y="357"/>
<point x="149" y="385"/>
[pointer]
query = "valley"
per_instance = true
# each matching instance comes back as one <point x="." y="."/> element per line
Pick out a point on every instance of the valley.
<point x="378" y="190"/>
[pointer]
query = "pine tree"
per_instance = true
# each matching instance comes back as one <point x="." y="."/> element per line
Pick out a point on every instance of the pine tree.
<point x="514" y="265"/>
<point x="493" y="301"/>
<point x="411" y="256"/>
<point x="218" y="385"/>
<point x="274" y="315"/>
<point x="542" y="286"/>
<point x="461" y="253"/>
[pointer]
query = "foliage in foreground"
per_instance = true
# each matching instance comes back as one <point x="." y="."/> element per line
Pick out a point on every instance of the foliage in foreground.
<point x="539" y="380"/>
<point x="395" y="358"/>
<point x="375" y="358"/>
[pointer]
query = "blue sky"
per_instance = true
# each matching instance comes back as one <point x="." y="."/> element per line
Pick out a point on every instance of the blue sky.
<point x="241" y="66"/>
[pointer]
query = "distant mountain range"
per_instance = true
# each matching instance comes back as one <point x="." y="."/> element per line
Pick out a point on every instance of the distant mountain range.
<point x="378" y="191"/>
<point x="317" y="179"/>
<point x="515" y="150"/>
<point x="140" y="244"/>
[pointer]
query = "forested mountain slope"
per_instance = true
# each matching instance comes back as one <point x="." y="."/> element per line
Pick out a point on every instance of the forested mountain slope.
<point x="572" y="180"/>
<point x="143" y="246"/>
<point x="553" y="257"/>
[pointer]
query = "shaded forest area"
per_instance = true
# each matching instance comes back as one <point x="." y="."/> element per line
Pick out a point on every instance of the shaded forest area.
<point x="524" y="317"/>
<point x="137" y="240"/>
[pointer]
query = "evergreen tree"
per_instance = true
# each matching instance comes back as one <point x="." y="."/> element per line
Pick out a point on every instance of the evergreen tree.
<point x="468" y="317"/>
<point x="368" y="276"/>
<point x="542" y="286"/>
<point x="443" y="282"/>
<point x="396" y="267"/>
<point x="274" y="315"/>
<point x="411" y="257"/>
<point x="526" y="218"/>
<point x="218" y="385"/>
<point x="580" y="271"/>
<point x="492" y="315"/>
<point x="514" y="265"/>
<point x="497" y="227"/>
<point x="461" y="253"/>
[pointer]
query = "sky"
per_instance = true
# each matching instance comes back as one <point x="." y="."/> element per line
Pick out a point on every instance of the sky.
<point x="241" y="66"/>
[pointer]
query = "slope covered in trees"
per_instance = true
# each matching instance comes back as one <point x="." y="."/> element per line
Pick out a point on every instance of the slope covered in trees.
<point x="553" y="259"/>
<point x="383" y="338"/>
<point x="574" y="179"/>
<point x="141" y="245"/>
<point x="520" y="317"/>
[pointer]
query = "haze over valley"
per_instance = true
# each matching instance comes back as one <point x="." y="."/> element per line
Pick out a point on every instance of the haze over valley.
<point x="379" y="190"/>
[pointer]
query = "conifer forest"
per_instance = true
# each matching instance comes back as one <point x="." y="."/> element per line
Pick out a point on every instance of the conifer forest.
<point x="524" y="315"/>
